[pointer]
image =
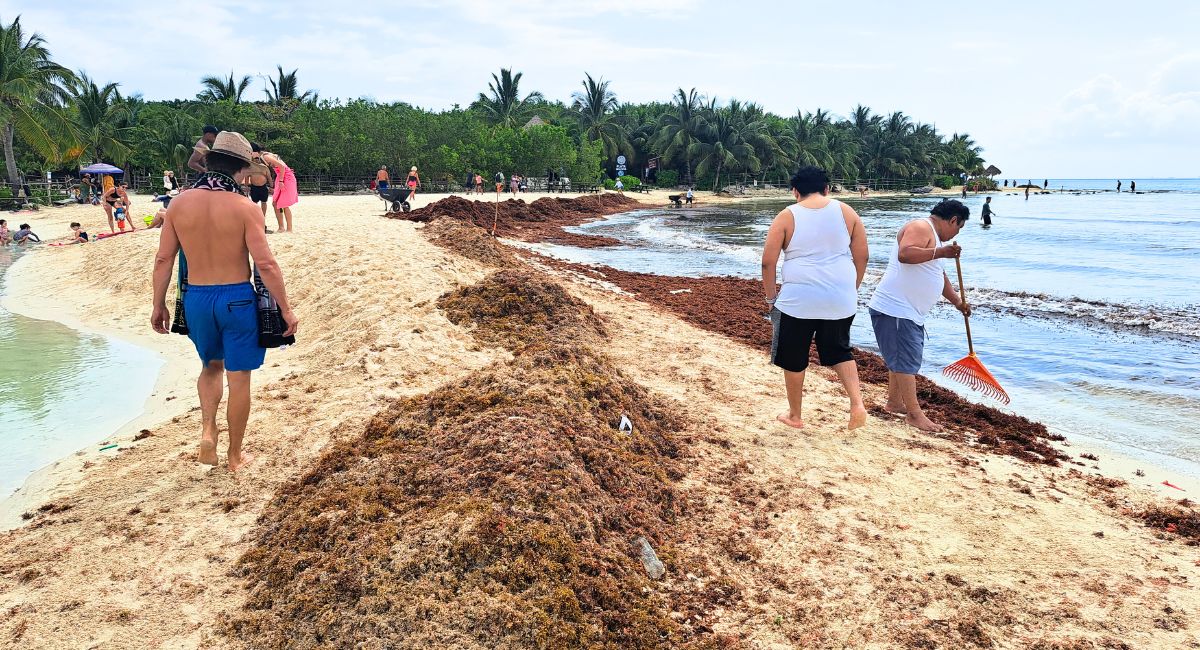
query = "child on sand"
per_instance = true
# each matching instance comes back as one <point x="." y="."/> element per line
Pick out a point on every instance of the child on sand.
<point x="79" y="236"/>
<point x="24" y="235"/>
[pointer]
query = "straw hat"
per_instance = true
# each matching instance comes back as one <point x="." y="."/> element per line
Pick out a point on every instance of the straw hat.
<point x="232" y="143"/>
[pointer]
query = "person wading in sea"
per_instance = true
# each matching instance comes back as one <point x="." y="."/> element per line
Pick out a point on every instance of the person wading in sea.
<point x="824" y="249"/>
<point x="987" y="212"/>
<point x="910" y="286"/>
<point x="219" y="230"/>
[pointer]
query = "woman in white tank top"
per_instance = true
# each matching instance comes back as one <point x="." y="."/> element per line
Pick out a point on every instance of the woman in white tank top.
<point x="824" y="249"/>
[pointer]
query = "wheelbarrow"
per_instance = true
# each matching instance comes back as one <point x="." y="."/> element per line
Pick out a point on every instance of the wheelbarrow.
<point x="396" y="198"/>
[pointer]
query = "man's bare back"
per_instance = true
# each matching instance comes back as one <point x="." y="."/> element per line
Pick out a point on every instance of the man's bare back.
<point x="211" y="227"/>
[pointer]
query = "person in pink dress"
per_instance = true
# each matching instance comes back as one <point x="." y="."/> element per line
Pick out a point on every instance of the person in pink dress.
<point x="286" y="193"/>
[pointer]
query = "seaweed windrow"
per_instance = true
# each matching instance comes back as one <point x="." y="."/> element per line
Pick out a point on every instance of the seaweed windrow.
<point x="541" y="220"/>
<point x="497" y="511"/>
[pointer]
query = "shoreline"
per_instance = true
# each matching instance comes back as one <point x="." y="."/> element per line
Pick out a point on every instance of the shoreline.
<point x="20" y="296"/>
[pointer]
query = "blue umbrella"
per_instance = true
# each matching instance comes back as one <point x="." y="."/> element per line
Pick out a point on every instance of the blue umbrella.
<point x="101" y="168"/>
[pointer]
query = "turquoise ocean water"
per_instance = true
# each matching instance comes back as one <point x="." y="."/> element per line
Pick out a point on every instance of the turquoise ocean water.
<point x="1088" y="302"/>
<point x="61" y="390"/>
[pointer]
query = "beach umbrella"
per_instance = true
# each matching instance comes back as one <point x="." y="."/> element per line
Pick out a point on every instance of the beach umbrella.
<point x="992" y="170"/>
<point x="969" y="369"/>
<point x="101" y="168"/>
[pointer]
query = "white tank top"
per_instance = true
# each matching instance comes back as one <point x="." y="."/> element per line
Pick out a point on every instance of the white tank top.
<point x="818" y="271"/>
<point x="909" y="290"/>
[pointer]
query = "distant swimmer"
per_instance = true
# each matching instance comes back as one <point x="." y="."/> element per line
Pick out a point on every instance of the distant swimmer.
<point x="987" y="212"/>
<point x="1118" y="186"/>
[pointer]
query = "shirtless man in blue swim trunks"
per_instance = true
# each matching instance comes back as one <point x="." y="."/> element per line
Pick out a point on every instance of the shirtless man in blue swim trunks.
<point x="219" y="230"/>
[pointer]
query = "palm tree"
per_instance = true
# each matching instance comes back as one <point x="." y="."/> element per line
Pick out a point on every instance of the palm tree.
<point x="286" y="89"/>
<point x="725" y="141"/>
<point x="170" y="136"/>
<point x="594" y="108"/>
<point x="33" y="96"/>
<point x="505" y="107"/>
<point x="219" y="89"/>
<point x="678" y="128"/>
<point x="102" y="117"/>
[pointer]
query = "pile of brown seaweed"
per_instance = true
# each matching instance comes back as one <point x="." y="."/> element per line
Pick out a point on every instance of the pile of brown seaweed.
<point x="498" y="511"/>
<point x="542" y="220"/>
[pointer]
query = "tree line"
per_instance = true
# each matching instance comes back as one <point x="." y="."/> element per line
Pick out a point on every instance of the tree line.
<point x="53" y="118"/>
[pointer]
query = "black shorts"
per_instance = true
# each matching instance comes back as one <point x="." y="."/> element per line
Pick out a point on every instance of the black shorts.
<point x="794" y="336"/>
<point x="259" y="193"/>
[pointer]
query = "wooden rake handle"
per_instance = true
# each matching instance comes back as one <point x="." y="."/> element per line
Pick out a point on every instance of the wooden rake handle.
<point x="962" y="294"/>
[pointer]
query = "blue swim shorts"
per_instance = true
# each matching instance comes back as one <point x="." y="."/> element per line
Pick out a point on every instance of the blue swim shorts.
<point x="222" y="321"/>
<point x="901" y="342"/>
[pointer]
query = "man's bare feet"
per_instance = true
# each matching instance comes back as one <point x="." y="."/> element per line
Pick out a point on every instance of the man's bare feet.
<point x="895" y="409"/>
<point x="858" y="417"/>
<point x="208" y="452"/>
<point x="239" y="461"/>
<point x="787" y="419"/>
<point x="923" y="423"/>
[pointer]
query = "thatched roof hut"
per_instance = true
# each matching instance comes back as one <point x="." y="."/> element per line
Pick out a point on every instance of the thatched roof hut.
<point x="534" y="121"/>
<point x="992" y="170"/>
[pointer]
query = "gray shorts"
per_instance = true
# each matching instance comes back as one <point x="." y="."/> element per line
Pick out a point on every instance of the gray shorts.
<point x="901" y="342"/>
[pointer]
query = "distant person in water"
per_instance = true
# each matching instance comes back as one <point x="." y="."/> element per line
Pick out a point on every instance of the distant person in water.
<point x="5" y="236"/>
<point x="1045" y="184"/>
<point x="910" y="286"/>
<point x="964" y="192"/>
<point x="1026" y="192"/>
<point x="824" y="248"/>
<point x="219" y="232"/>
<point x="1118" y="186"/>
<point x="1006" y="182"/>
<point x="1132" y="186"/>
<point x="987" y="212"/>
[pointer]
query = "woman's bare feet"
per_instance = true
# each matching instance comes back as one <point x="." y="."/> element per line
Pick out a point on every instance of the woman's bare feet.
<point x="787" y="419"/>
<point x="239" y="461"/>
<point x="858" y="417"/>
<point x="208" y="452"/>
<point x="923" y="423"/>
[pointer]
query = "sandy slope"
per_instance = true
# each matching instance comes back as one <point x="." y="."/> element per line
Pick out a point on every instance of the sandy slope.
<point x="883" y="538"/>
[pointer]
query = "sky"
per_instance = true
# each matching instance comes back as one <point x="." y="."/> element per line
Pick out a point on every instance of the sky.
<point x="1057" y="89"/>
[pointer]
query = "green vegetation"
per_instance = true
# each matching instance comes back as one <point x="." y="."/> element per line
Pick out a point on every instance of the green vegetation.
<point x="54" y="119"/>
<point x="944" y="182"/>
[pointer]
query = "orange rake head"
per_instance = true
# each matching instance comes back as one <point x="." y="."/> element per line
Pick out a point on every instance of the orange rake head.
<point x="970" y="371"/>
